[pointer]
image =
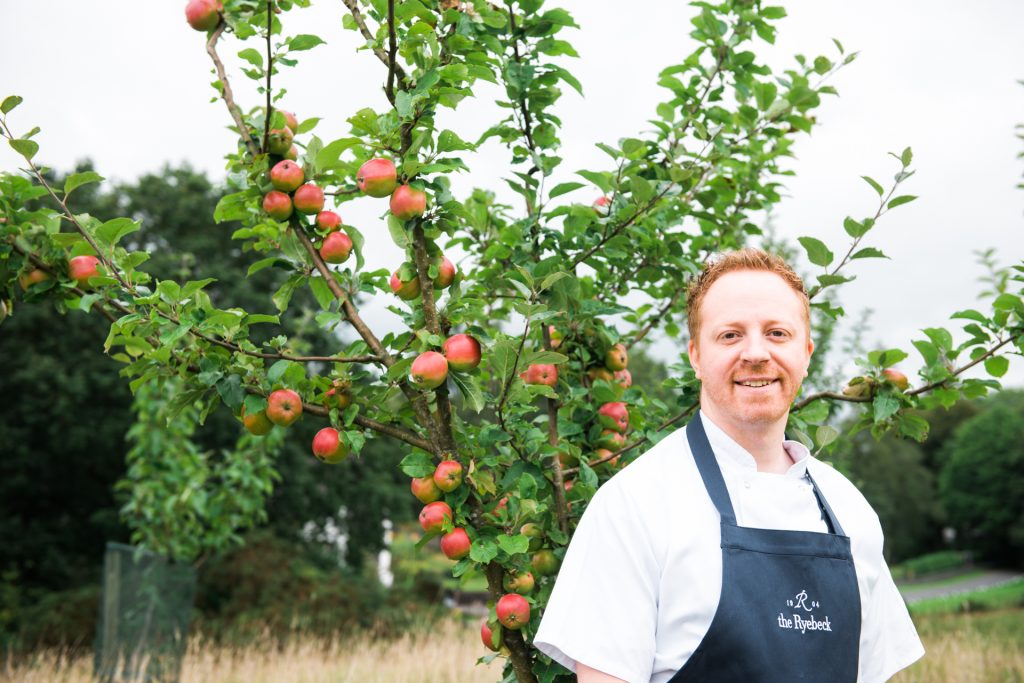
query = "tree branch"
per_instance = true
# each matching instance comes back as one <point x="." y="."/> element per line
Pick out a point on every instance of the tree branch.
<point x="270" y="70"/>
<point x="353" y="8"/>
<point x="228" y="95"/>
<point x="392" y="62"/>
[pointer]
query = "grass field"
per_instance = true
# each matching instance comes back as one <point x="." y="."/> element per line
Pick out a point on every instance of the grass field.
<point x="982" y="647"/>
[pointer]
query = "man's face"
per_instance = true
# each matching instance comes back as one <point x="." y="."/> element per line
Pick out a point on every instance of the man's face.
<point x="752" y="349"/>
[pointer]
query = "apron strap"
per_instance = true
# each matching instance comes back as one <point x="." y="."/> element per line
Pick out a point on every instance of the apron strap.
<point x="711" y="473"/>
<point x="834" y="527"/>
<point x="709" y="470"/>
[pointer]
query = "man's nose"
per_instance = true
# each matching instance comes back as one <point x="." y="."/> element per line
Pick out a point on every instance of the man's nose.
<point x="755" y="350"/>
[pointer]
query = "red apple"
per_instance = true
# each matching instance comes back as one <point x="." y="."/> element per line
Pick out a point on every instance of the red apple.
<point x="513" y="611"/>
<point x="408" y="202"/>
<point x="555" y="336"/>
<point x="492" y="639"/>
<point x="257" y="423"/>
<point x="328" y="220"/>
<point x="290" y="121"/>
<point x="448" y="475"/>
<point x="462" y="352"/>
<point x="567" y="459"/>
<point x="377" y="177"/>
<point x="541" y="374"/>
<point x="445" y="273"/>
<point x="602" y="204"/>
<point x="33" y="277"/>
<point x="81" y="268"/>
<point x="611" y="440"/>
<point x="328" y="446"/>
<point x="279" y="141"/>
<point x="601" y="454"/>
<point x="405" y="289"/>
<point x="203" y="15"/>
<point x="309" y="199"/>
<point x="336" y="248"/>
<point x="614" y="416"/>
<point x="425" y="489"/>
<point x="501" y="505"/>
<point x="434" y="516"/>
<point x="519" y="582"/>
<point x="286" y="176"/>
<point x="616" y="358"/>
<point x="898" y="379"/>
<point x="623" y="378"/>
<point x="455" y="544"/>
<point x="544" y="563"/>
<point x="429" y="370"/>
<point x="278" y="205"/>
<point x="284" y="407"/>
<point x="338" y="396"/>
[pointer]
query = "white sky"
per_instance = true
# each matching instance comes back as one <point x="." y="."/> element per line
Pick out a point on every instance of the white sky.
<point x="127" y="84"/>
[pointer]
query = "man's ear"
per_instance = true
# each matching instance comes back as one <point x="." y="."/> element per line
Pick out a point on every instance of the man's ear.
<point x="810" y="351"/>
<point x="691" y="348"/>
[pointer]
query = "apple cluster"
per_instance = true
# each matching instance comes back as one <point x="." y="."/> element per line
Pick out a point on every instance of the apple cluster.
<point x="80" y="269"/>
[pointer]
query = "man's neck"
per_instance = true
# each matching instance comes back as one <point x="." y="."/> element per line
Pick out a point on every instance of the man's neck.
<point x="762" y="440"/>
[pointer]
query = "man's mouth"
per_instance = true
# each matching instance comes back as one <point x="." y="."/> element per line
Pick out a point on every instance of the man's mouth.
<point x="755" y="382"/>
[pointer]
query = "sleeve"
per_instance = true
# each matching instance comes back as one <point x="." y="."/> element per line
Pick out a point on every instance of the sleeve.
<point x="889" y="640"/>
<point x="603" y="609"/>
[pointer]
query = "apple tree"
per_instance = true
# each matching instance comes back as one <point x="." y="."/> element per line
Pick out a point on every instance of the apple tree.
<point x="509" y="383"/>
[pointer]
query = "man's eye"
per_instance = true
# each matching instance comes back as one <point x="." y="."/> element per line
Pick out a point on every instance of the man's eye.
<point x="731" y="335"/>
<point x="778" y="333"/>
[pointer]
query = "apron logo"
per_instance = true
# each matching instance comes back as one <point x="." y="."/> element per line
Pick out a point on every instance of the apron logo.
<point x="806" y="621"/>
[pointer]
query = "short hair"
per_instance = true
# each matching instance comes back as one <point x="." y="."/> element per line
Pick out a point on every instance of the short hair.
<point x="747" y="258"/>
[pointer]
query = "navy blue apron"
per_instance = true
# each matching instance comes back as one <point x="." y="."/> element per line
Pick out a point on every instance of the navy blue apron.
<point x="790" y="606"/>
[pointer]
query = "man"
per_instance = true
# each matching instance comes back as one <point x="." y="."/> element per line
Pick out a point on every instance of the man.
<point x="727" y="553"/>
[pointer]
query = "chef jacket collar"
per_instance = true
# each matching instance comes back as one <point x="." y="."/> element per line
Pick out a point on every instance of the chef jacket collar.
<point x="732" y="453"/>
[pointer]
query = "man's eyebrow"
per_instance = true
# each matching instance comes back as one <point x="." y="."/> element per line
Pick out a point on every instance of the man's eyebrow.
<point x="766" y="323"/>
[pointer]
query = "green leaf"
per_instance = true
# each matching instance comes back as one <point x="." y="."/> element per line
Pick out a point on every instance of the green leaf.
<point x="76" y="180"/>
<point x="971" y="314"/>
<point x="112" y="231"/>
<point x="884" y="407"/>
<point x="907" y="156"/>
<point x="886" y="358"/>
<point x="483" y="550"/>
<point x="448" y="141"/>
<point x="283" y="295"/>
<point x="304" y="42"/>
<point x="869" y="252"/>
<point x="903" y="199"/>
<point x="816" y="250"/>
<point x="403" y="104"/>
<point x="855" y="229"/>
<point x="825" y="434"/>
<point x="278" y="369"/>
<point x="514" y="544"/>
<point x="503" y="357"/>
<point x="253" y="56"/>
<point x="552" y="279"/>
<point x="874" y="185"/>
<point x="1006" y="302"/>
<point x="26" y="148"/>
<point x="399" y="234"/>
<point x="470" y="390"/>
<point x="231" y="392"/>
<point x="329" y="156"/>
<point x="417" y="464"/>
<point x="545" y="358"/>
<point x="10" y="103"/>
<point x="322" y="292"/>
<point x="231" y="207"/>
<point x="997" y="365"/>
<point x="564" y="188"/>
<point x="258" y="318"/>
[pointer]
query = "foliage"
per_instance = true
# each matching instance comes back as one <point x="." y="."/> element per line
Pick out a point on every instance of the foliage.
<point x="939" y="561"/>
<point x="689" y="188"/>
<point x="982" y="482"/>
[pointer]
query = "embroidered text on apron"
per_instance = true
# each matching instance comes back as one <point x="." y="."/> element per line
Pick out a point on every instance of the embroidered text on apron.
<point x="790" y="606"/>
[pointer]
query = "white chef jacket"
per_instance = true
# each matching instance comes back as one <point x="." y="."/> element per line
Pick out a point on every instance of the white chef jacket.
<point x="641" y="579"/>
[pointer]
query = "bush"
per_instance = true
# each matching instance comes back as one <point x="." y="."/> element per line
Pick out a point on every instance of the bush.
<point x="931" y="563"/>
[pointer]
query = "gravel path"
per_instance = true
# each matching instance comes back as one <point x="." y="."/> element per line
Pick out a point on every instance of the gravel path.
<point x="989" y="579"/>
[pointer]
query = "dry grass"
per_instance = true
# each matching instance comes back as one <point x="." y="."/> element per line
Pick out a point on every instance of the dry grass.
<point x="982" y="648"/>
<point x="447" y="655"/>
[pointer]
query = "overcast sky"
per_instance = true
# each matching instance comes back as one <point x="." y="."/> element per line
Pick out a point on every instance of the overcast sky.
<point x="127" y="84"/>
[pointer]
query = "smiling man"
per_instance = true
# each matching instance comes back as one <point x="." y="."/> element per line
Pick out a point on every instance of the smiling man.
<point x="727" y="553"/>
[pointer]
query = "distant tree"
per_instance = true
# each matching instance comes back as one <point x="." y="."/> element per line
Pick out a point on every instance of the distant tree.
<point x="982" y="481"/>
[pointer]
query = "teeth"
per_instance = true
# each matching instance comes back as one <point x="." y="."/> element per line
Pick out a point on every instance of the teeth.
<point x="762" y="383"/>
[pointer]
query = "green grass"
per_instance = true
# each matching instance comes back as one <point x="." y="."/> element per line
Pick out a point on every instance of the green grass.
<point x="1007" y="596"/>
<point x="930" y="564"/>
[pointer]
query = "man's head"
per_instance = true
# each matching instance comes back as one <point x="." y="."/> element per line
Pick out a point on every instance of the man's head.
<point x="750" y="342"/>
